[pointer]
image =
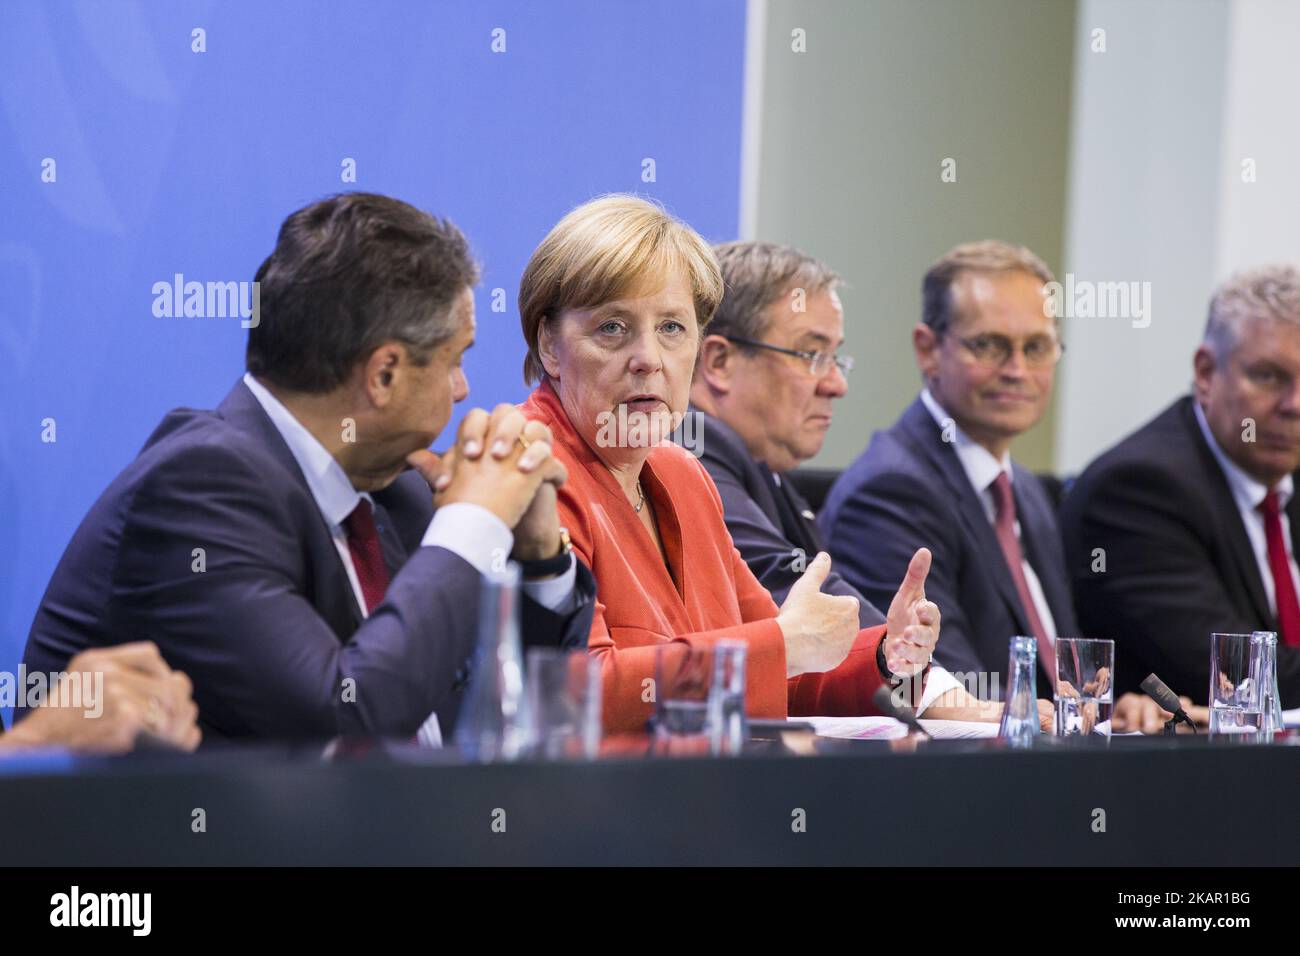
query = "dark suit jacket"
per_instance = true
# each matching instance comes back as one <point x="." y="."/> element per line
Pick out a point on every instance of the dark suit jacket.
<point x="770" y="523"/>
<point x="1179" y="565"/>
<point x="269" y="630"/>
<point x="908" y="490"/>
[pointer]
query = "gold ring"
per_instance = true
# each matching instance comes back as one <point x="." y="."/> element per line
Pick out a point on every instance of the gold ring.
<point x="523" y="441"/>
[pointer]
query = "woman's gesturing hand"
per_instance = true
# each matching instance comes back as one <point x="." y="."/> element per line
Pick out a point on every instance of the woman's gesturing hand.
<point x="819" y="628"/>
<point x="913" y="622"/>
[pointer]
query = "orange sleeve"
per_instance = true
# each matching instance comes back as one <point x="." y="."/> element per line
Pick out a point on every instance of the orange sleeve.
<point x="628" y="672"/>
<point x="845" y="691"/>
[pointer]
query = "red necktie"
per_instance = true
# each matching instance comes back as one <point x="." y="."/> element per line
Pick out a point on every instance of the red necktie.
<point x="1279" y="565"/>
<point x="367" y="558"/>
<point x="1005" y="526"/>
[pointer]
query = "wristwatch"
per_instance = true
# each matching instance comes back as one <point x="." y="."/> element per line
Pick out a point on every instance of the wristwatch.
<point x="883" y="665"/>
<point x="550" y="567"/>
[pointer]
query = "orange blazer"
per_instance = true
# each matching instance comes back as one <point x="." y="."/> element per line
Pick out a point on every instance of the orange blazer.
<point x="708" y="594"/>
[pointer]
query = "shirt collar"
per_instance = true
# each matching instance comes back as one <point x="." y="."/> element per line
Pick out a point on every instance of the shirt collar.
<point x="329" y="484"/>
<point x="1247" y="492"/>
<point x="977" y="461"/>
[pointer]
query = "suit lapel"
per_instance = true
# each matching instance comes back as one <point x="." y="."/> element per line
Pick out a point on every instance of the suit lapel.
<point x="1229" y="517"/>
<point x="726" y="445"/>
<point x="670" y="528"/>
<point x="777" y="498"/>
<point x="927" y="438"/>
<point x="242" y="409"/>
<point x="793" y="516"/>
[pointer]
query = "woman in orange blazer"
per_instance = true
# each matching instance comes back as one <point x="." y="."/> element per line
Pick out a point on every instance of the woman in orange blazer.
<point x="613" y="303"/>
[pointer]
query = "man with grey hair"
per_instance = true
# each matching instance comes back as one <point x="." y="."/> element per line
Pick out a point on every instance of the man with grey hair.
<point x="768" y="373"/>
<point x="1186" y="527"/>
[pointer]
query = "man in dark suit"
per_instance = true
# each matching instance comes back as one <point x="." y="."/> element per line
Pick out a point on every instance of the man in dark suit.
<point x="1186" y="527"/>
<point x="279" y="551"/>
<point x="942" y="476"/>
<point x="767" y="375"/>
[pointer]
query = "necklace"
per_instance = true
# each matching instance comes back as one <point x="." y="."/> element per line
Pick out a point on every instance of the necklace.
<point x="640" y="498"/>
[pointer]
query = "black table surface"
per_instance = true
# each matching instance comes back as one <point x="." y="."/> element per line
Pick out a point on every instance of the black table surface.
<point x="1183" y="801"/>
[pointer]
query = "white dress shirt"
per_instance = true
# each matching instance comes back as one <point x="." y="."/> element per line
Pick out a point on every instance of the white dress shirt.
<point x="467" y="530"/>
<point x="1249" y="494"/>
<point x="981" y="471"/>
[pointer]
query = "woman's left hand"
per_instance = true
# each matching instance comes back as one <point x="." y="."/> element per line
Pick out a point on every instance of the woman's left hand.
<point x="912" y="622"/>
<point x="537" y="536"/>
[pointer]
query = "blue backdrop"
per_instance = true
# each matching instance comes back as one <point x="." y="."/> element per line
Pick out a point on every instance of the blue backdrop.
<point x="167" y="160"/>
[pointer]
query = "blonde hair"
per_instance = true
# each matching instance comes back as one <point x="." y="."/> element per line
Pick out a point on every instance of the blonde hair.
<point x="607" y="249"/>
<point x="988" y="256"/>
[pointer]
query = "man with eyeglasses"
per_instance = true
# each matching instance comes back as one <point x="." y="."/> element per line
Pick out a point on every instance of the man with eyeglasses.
<point x="767" y="374"/>
<point x="1188" y="525"/>
<point x="942" y="476"/>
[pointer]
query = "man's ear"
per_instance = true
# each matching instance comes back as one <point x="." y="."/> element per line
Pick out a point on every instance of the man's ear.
<point x="716" y="363"/>
<point x="546" y="348"/>
<point x="925" y="343"/>
<point x="382" y="369"/>
<point x="1204" y="366"/>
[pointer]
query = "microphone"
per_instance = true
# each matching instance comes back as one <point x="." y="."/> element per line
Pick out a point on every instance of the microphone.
<point x="884" y="702"/>
<point x="1159" y="691"/>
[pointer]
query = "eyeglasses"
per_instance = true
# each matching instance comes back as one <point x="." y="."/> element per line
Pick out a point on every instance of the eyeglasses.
<point x="818" y="362"/>
<point x="993" y="351"/>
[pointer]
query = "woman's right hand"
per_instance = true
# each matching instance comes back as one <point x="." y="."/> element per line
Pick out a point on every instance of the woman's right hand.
<point x="490" y="466"/>
<point x="819" y="628"/>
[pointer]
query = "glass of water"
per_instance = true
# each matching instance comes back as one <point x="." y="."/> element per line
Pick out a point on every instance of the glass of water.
<point x="700" y="698"/>
<point x="727" y="725"/>
<point x="1085" y="686"/>
<point x="563" y="693"/>
<point x="1236" y="703"/>
<point x="1270" y="704"/>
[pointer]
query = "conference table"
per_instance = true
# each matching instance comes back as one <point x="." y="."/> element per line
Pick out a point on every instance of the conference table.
<point x="1182" y="801"/>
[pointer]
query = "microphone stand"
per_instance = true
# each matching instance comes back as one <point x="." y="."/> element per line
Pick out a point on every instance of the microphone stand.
<point x="1171" y="725"/>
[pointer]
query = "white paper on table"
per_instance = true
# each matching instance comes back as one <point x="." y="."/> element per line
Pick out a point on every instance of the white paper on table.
<point x="1104" y="726"/>
<point x="887" y="728"/>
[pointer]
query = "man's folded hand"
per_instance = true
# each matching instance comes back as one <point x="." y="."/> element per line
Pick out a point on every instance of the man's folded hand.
<point x="127" y="694"/>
